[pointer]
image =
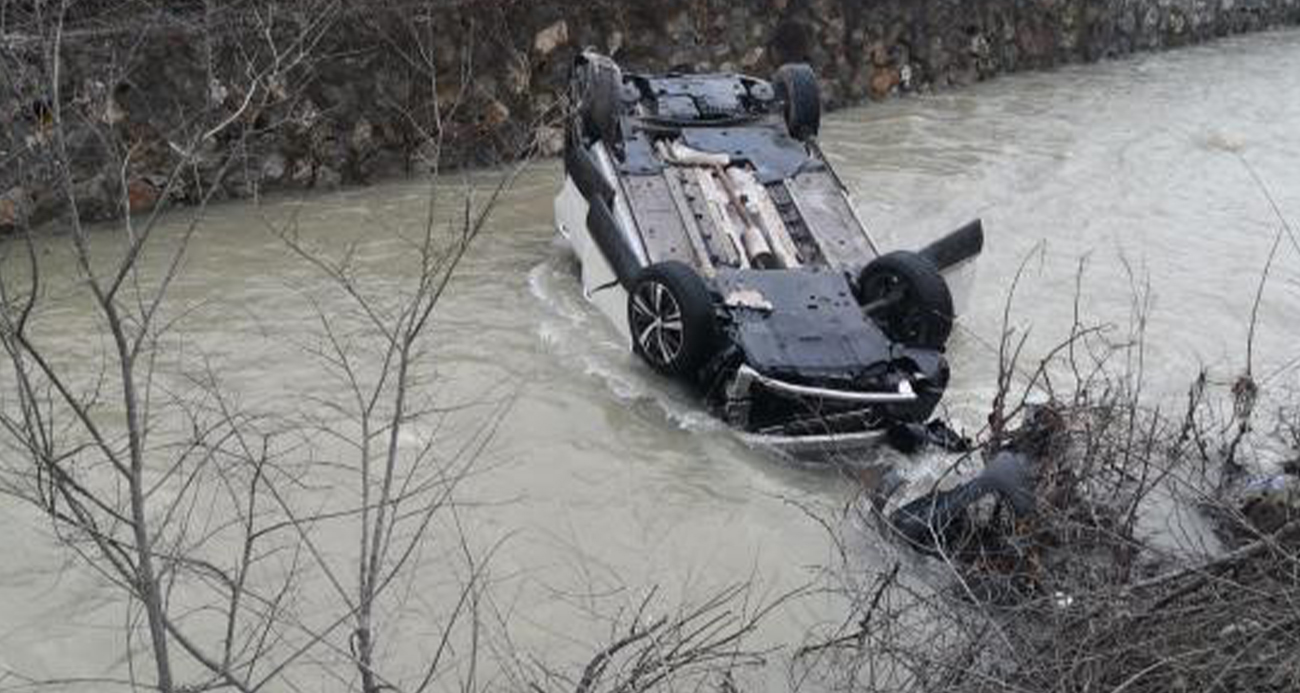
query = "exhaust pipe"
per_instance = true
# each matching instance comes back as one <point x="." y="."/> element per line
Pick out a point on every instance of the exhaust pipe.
<point x="760" y="253"/>
<point x="956" y="247"/>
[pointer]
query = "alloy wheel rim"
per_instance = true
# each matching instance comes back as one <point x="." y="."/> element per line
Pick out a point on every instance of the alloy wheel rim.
<point x="657" y="323"/>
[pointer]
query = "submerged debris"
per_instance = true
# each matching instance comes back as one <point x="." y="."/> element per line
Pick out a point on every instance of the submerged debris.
<point x="941" y="519"/>
<point x="908" y="438"/>
<point x="1077" y="544"/>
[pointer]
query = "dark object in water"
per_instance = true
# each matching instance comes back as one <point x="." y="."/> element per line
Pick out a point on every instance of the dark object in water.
<point x="957" y="247"/>
<point x="939" y="519"/>
<point x="908" y="438"/>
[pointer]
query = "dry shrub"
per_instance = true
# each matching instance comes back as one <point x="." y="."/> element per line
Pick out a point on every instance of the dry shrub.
<point x="1163" y="553"/>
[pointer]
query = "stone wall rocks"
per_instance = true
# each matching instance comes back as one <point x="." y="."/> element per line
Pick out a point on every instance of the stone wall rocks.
<point x="320" y="97"/>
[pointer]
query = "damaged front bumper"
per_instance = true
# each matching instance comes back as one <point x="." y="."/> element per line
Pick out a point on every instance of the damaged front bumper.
<point x="746" y="377"/>
<point x="851" y="419"/>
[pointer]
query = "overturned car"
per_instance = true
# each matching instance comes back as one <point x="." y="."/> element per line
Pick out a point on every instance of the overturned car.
<point x="716" y="236"/>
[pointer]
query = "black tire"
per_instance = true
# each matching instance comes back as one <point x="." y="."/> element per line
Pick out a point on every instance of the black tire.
<point x="905" y="295"/>
<point x="796" y="85"/>
<point x="670" y="314"/>
<point x="600" y="93"/>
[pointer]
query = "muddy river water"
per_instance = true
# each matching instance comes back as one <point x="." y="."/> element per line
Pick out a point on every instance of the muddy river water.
<point x="601" y="480"/>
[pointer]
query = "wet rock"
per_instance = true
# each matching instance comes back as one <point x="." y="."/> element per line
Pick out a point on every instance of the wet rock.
<point x="883" y="81"/>
<point x="8" y="215"/>
<point x="114" y="113"/>
<point x="96" y="198"/>
<point x="274" y="167"/>
<point x="15" y="209"/>
<point x="1177" y="24"/>
<point x="141" y="195"/>
<point x="518" y="75"/>
<point x="362" y="137"/>
<point x="550" y="38"/>
<point x="614" y="42"/>
<point x="217" y="92"/>
<point x="543" y="103"/>
<point x="495" y="115"/>
<point x="879" y="55"/>
<point x="905" y="77"/>
<point x="327" y="178"/>
<point x="47" y="203"/>
<point x="303" y="174"/>
<point x="1271" y="502"/>
<point x="550" y="140"/>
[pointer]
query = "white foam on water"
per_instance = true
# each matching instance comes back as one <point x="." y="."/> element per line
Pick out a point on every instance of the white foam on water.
<point x="573" y="330"/>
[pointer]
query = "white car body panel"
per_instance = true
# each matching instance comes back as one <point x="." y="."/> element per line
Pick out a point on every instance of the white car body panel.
<point x="599" y="284"/>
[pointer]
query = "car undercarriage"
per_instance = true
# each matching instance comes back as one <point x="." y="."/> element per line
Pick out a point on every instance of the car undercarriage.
<point x="716" y="236"/>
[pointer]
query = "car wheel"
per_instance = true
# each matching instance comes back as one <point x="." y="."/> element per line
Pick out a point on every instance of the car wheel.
<point x="906" y="296"/>
<point x="796" y="85"/>
<point x="601" y="96"/>
<point x="671" y="316"/>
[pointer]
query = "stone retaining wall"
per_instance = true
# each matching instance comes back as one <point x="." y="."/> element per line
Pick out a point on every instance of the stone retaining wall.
<point x="321" y="93"/>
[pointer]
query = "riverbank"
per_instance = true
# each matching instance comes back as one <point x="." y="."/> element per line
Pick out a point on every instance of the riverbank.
<point x="193" y="102"/>
<point x="604" y="483"/>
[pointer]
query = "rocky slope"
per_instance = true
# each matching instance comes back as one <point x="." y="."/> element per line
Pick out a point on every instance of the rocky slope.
<point x="193" y="99"/>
